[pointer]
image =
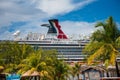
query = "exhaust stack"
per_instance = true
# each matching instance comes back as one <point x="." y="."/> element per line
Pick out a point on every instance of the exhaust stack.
<point x="55" y="28"/>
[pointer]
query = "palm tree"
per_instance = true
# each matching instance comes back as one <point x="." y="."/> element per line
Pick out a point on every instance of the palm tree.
<point x="78" y="69"/>
<point x="75" y="71"/>
<point x="104" y="43"/>
<point x="34" y="63"/>
<point x="12" y="53"/>
<point x="44" y="62"/>
<point x="61" y="70"/>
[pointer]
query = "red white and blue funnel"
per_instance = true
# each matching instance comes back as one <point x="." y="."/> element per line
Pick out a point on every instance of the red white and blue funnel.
<point x="55" y="28"/>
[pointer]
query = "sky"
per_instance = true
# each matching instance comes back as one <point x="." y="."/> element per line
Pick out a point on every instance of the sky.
<point x="76" y="17"/>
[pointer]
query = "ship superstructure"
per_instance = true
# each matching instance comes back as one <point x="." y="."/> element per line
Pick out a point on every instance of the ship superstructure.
<point x="68" y="49"/>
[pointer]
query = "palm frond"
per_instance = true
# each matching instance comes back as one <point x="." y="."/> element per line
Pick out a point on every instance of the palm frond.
<point x="106" y="63"/>
<point x="117" y="42"/>
<point x="99" y="24"/>
<point x="113" y="58"/>
<point x="99" y="52"/>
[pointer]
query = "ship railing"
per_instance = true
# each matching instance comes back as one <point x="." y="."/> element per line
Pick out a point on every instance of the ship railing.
<point x="64" y="42"/>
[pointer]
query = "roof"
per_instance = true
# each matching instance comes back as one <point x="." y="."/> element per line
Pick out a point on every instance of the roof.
<point x="92" y="67"/>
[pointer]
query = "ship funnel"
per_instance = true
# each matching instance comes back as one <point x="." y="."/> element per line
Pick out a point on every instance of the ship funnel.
<point x="56" y="28"/>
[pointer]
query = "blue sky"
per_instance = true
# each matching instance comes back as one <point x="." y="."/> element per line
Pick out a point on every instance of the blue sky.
<point x="77" y="17"/>
<point x="98" y="10"/>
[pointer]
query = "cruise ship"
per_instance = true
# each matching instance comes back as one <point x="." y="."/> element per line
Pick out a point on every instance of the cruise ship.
<point x="68" y="49"/>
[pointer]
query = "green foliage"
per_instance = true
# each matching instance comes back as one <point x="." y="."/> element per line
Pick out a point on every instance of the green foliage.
<point x="22" y="58"/>
<point x="104" y="43"/>
<point x="61" y="70"/>
<point x="13" y="53"/>
<point x="75" y="70"/>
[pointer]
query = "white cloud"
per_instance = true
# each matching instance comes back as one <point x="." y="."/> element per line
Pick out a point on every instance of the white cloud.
<point x="18" y="10"/>
<point x="26" y="10"/>
<point x="53" y="7"/>
<point x="33" y="12"/>
<point x="78" y="28"/>
<point x="68" y="27"/>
